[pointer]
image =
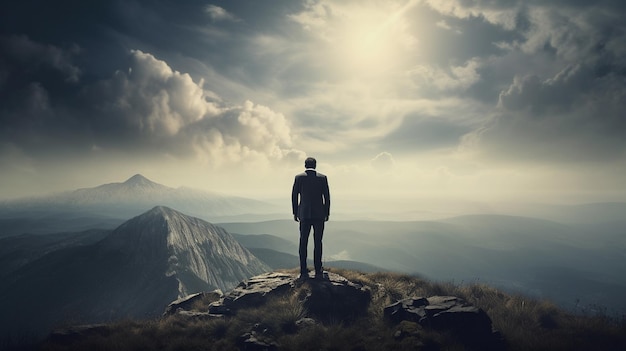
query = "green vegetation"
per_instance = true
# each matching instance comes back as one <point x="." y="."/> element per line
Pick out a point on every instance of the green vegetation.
<point x="526" y="324"/>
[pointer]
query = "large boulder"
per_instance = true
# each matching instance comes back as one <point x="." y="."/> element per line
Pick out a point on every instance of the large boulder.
<point x="469" y="323"/>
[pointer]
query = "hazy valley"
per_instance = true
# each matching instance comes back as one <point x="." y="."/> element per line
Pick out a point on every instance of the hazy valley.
<point x="576" y="266"/>
<point x="107" y="252"/>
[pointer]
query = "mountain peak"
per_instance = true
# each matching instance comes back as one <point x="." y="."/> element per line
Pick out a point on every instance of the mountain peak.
<point x="138" y="179"/>
<point x="161" y="212"/>
<point x="160" y="209"/>
<point x="140" y="183"/>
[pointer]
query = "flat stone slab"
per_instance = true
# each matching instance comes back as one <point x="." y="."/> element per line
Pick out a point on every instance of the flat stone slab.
<point x="254" y="291"/>
<point x="334" y="297"/>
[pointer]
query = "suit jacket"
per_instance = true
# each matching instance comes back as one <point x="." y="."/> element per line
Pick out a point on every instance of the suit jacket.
<point x="312" y="188"/>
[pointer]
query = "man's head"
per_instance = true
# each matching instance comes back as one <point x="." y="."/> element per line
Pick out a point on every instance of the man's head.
<point x="310" y="162"/>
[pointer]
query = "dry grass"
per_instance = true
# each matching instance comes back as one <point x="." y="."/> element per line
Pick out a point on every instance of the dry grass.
<point x="203" y="303"/>
<point x="526" y="324"/>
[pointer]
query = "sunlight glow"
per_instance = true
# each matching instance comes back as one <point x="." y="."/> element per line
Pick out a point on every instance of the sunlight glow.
<point x="371" y="42"/>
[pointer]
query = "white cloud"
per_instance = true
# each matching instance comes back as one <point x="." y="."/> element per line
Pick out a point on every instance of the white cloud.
<point x="444" y="25"/>
<point x="572" y="117"/>
<point x="383" y="162"/>
<point x="426" y="77"/>
<point x="245" y="131"/>
<point x="344" y="255"/>
<point x="219" y="14"/>
<point x="504" y="15"/>
<point x="152" y="99"/>
<point x="159" y="109"/>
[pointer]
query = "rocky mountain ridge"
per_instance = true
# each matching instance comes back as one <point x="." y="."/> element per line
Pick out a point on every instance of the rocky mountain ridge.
<point x="193" y="249"/>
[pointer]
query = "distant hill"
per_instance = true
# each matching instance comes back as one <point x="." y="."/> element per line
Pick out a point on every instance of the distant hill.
<point x="600" y="212"/>
<point x="281" y="253"/>
<point x="108" y="205"/>
<point x="281" y="260"/>
<point x="354" y="265"/>
<point x="266" y="241"/>
<point x="135" y="271"/>
<point x="276" y="259"/>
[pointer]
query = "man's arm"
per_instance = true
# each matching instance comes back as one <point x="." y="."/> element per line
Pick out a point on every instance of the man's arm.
<point x="294" y="199"/>
<point x="326" y="193"/>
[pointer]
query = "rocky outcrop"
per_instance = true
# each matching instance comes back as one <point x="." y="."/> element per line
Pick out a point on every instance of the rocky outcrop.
<point x="336" y="299"/>
<point x="306" y="307"/>
<point x="332" y="298"/>
<point x="470" y="324"/>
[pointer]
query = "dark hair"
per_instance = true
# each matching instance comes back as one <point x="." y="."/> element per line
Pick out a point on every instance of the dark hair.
<point x="310" y="162"/>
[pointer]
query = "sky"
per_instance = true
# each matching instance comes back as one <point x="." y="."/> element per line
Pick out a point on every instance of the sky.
<point x="421" y="100"/>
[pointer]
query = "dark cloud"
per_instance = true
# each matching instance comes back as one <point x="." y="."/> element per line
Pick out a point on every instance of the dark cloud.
<point x="570" y="108"/>
<point x="464" y="39"/>
<point x="107" y="30"/>
<point x="576" y="115"/>
<point x="38" y="80"/>
<point x="25" y="64"/>
<point x="26" y="58"/>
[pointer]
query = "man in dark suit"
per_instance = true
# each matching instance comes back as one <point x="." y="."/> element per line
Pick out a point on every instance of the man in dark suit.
<point x="312" y="210"/>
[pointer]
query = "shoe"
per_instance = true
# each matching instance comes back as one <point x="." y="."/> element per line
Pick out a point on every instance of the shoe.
<point x="319" y="275"/>
<point x="303" y="276"/>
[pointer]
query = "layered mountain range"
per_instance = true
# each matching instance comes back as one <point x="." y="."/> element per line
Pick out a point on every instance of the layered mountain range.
<point x="134" y="271"/>
<point x="108" y="205"/>
<point x="579" y="266"/>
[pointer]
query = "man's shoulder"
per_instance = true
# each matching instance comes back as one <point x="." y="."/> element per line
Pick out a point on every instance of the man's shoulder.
<point x="306" y="174"/>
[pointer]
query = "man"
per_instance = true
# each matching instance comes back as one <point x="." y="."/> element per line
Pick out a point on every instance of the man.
<point x="312" y="210"/>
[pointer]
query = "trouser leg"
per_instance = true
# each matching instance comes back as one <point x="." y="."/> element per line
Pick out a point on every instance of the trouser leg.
<point x="318" y="233"/>
<point x="305" y="230"/>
